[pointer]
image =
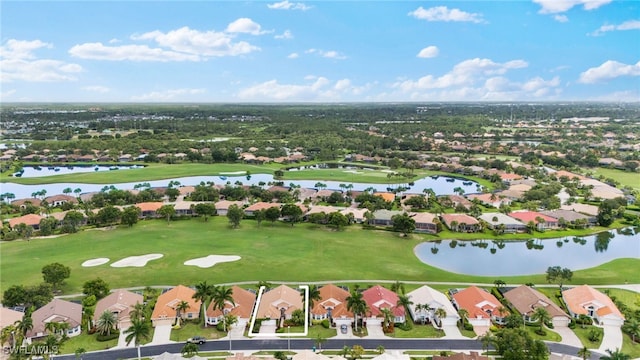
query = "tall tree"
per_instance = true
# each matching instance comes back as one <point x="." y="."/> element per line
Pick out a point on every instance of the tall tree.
<point x="615" y="355"/>
<point x="167" y="211"/>
<point x="541" y="315"/>
<point x="292" y="213"/>
<point x="181" y="308"/>
<point x="235" y="215"/>
<point x="139" y="331"/>
<point x="97" y="287"/>
<point x="130" y="215"/>
<point x="272" y="214"/>
<point x="222" y="295"/>
<point x="584" y="353"/>
<point x="203" y="293"/>
<point x="559" y="275"/>
<point x="205" y="210"/>
<point x="106" y="322"/>
<point x="403" y="223"/>
<point x="405" y="302"/>
<point x="357" y="305"/>
<point x="314" y="295"/>
<point x="55" y="274"/>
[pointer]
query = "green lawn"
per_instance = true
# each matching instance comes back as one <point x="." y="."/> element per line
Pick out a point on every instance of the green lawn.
<point x="191" y="329"/>
<point x="583" y="335"/>
<point x="272" y="253"/>
<point x="418" y="331"/>
<point x="631" y="348"/>
<point x="625" y="178"/>
<point x="87" y="342"/>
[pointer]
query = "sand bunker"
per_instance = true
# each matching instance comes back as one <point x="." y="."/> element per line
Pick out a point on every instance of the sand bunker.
<point x="209" y="261"/>
<point x="95" y="262"/>
<point x="136" y="261"/>
<point x="352" y="172"/>
<point x="233" y="173"/>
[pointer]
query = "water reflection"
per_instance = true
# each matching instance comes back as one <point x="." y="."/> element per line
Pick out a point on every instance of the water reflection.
<point x="532" y="256"/>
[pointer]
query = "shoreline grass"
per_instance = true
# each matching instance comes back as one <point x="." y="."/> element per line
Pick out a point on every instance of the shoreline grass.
<point x="301" y="253"/>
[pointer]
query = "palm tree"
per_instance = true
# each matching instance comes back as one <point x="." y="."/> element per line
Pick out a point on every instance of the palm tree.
<point x="137" y="311"/>
<point x="541" y="315"/>
<point x="221" y="295"/>
<point x="138" y="331"/>
<point x="487" y="340"/>
<point x="398" y="287"/>
<point x="380" y="349"/>
<point x="463" y="316"/>
<point x="615" y="355"/>
<point x="189" y="349"/>
<point x="584" y="353"/>
<point x="181" y="309"/>
<point x="7" y="334"/>
<point x="440" y="313"/>
<point x="106" y="322"/>
<point x="388" y="318"/>
<point x="203" y="293"/>
<point x="314" y="295"/>
<point x="24" y="326"/>
<point x="632" y="327"/>
<point x="357" y="305"/>
<point x="318" y="341"/>
<point x="405" y="302"/>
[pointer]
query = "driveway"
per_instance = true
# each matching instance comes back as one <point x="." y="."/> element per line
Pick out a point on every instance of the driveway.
<point x="268" y="327"/>
<point x="340" y="335"/>
<point x="612" y="338"/>
<point x="237" y="329"/>
<point x="374" y="329"/>
<point x="122" y="343"/>
<point x="162" y="333"/>
<point x="568" y="336"/>
<point x="452" y="332"/>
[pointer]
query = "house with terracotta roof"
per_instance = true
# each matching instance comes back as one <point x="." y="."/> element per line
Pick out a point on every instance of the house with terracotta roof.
<point x="61" y="199"/>
<point x="261" y="205"/>
<point x="454" y="201"/>
<point x="186" y="190"/>
<point x="59" y="216"/>
<point x="185" y="208"/>
<point x="120" y="302"/>
<point x="526" y="300"/>
<point x="332" y="305"/>
<point x="569" y="175"/>
<point x="222" y="206"/>
<point x="279" y="303"/>
<point x="59" y="311"/>
<point x="383" y="217"/>
<point x="22" y="203"/>
<point x="9" y="317"/>
<point x="378" y="297"/>
<point x="571" y="217"/>
<point x="425" y="222"/>
<point x="586" y="209"/>
<point x="494" y="221"/>
<point x="386" y="196"/>
<point x="32" y="220"/>
<point x="542" y="221"/>
<point x="585" y="300"/>
<point x="473" y="355"/>
<point x="490" y="199"/>
<point x="481" y="306"/>
<point x="461" y="222"/>
<point x="149" y="209"/>
<point x="167" y="305"/>
<point x="426" y="295"/>
<point x="358" y="214"/>
<point x="508" y="178"/>
<point x="241" y="307"/>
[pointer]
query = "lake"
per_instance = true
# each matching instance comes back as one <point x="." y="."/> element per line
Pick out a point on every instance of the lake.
<point x="40" y="171"/>
<point x="440" y="185"/>
<point x="509" y="258"/>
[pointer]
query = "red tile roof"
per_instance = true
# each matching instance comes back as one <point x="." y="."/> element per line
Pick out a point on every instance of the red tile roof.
<point x="335" y="298"/>
<point x="477" y="302"/>
<point x="526" y="216"/>
<point x="378" y="297"/>
<point x="242" y="307"/>
<point x="29" y="220"/>
<point x="149" y="206"/>
<point x="579" y="298"/>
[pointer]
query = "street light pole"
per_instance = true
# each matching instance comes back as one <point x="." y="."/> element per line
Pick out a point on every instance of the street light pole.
<point x="288" y="339"/>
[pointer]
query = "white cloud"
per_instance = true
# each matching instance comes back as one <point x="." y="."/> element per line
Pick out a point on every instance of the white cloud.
<point x="560" y="6"/>
<point x="293" y="56"/>
<point x="246" y="26"/>
<point x="560" y="18"/>
<point x="114" y="41"/>
<point x="610" y="69"/>
<point x="98" y="51"/>
<point x="429" y="52"/>
<point x="168" y="95"/>
<point x="97" y="88"/>
<point x="330" y="54"/>
<point x="620" y="96"/>
<point x="199" y="43"/>
<point x="19" y="63"/>
<point x="286" y="5"/>
<point x="627" y="25"/>
<point x="315" y="88"/>
<point x="443" y="13"/>
<point x="285" y="35"/>
<point x="7" y="94"/>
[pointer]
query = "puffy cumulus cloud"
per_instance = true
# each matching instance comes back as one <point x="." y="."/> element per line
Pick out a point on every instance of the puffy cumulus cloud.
<point x="287" y="5"/>
<point x="293" y="56"/>
<point x="560" y="18"/>
<point x="429" y="52"/>
<point x="285" y="35"/>
<point x="610" y="69"/>
<point x="443" y="13"/>
<point x="329" y="54"/>
<point x="245" y="25"/>
<point x="97" y="89"/>
<point x="169" y="95"/>
<point x="99" y="51"/>
<point x="316" y="88"/>
<point x="560" y="6"/>
<point x="19" y="63"/>
<point x="627" y="25"/>
<point x="477" y="79"/>
<point x="200" y="43"/>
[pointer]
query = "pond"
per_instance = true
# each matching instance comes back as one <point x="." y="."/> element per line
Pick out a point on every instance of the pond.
<point x="510" y="258"/>
<point x="50" y="170"/>
<point x="440" y="185"/>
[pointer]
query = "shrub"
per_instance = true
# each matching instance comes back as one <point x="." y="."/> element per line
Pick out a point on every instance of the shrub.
<point x="219" y="326"/>
<point x="572" y="324"/>
<point x="326" y="324"/>
<point x="594" y="335"/>
<point x="468" y="326"/>
<point x="113" y="335"/>
<point x="541" y="332"/>
<point x="405" y="326"/>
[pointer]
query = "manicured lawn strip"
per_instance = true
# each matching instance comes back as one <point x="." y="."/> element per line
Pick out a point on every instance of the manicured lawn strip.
<point x="418" y="331"/>
<point x="313" y="333"/>
<point x="625" y="178"/>
<point x="629" y="298"/>
<point x="583" y="335"/>
<point x="550" y="334"/>
<point x="87" y="342"/>
<point x="271" y="253"/>
<point x="629" y="347"/>
<point x="191" y="329"/>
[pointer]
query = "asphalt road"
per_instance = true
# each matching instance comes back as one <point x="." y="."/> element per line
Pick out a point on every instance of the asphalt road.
<point x="298" y="344"/>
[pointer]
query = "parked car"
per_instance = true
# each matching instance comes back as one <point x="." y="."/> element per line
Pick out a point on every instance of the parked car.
<point x="197" y="340"/>
<point x="343" y="328"/>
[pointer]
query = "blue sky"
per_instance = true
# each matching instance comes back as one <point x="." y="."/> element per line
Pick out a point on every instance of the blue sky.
<point x="319" y="51"/>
